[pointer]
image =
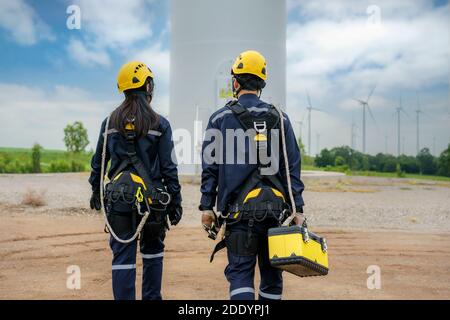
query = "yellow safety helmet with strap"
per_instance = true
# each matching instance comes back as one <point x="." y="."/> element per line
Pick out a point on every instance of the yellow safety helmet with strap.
<point x="250" y="62"/>
<point x="133" y="75"/>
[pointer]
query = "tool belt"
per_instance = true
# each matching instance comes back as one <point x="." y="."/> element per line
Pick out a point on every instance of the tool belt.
<point x="259" y="204"/>
<point x="127" y="191"/>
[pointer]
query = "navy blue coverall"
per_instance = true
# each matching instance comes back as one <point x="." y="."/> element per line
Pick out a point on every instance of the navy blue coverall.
<point x="222" y="183"/>
<point x="154" y="150"/>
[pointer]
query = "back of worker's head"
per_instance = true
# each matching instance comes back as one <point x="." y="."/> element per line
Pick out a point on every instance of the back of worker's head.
<point x="249" y="71"/>
<point x="135" y="80"/>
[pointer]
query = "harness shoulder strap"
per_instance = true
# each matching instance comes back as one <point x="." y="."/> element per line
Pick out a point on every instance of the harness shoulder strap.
<point x="134" y="161"/>
<point x="243" y="115"/>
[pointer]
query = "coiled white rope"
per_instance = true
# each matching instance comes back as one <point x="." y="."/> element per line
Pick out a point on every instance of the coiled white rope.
<point x="102" y="187"/>
<point x="288" y="173"/>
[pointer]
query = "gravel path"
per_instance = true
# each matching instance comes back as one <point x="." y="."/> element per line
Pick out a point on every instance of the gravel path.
<point x="336" y="202"/>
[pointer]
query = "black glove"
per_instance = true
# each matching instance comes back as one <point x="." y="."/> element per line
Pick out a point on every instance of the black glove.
<point x="175" y="212"/>
<point x="95" y="201"/>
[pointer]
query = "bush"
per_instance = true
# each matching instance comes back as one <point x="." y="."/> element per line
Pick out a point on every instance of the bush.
<point x="77" y="166"/>
<point x="390" y="166"/>
<point x="409" y="164"/>
<point x="36" y="158"/>
<point x="427" y="162"/>
<point x="398" y="170"/>
<point x="60" y="166"/>
<point x="339" y="161"/>
<point x="324" y="159"/>
<point x="444" y="163"/>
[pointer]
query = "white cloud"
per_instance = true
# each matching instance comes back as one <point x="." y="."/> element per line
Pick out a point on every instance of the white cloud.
<point x="158" y="59"/>
<point x="116" y="23"/>
<point x="78" y="51"/>
<point x="40" y="116"/>
<point x="22" y="22"/>
<point x="111" y="26"/>
<point x="336" y="56"/>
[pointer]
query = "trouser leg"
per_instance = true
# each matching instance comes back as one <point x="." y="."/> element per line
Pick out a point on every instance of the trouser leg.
<point x="123" y="269"/>
<point x="152" y="251"/>
<point x="271" y="286"/>
<point x="124" y="256"/>
<point x="240" y="273"/>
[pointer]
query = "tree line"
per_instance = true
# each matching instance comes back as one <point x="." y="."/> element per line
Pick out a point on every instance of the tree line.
<point x="350" y="159"/>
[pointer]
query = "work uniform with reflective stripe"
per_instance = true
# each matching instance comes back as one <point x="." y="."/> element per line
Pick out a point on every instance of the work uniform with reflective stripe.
<point x="124" y="266"/>
<point x="154" y="150"/>
<point x="221" y="185"/>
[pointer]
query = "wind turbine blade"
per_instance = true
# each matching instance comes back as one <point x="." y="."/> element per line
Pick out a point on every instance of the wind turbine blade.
<point x="371" y="114"/>
<point x="317" y="109"/>
<point x="370" y="94"/>
<point x="359" y="100"/>
<point x="403" y="110"/>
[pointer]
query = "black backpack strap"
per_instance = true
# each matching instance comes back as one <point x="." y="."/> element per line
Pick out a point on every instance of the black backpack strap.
<point x="247" y="120"/>
<point x="219" y="246"/>
<point x="243" y="115"/>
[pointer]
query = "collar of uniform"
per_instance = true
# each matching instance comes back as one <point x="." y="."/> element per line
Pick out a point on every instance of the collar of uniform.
<point x="248" y="100"/>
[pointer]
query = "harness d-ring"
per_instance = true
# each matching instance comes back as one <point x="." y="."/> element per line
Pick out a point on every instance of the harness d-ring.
<point x="169" y="198"/>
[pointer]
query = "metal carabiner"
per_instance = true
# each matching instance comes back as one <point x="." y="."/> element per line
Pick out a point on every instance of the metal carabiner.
<point x="169" y="198"/>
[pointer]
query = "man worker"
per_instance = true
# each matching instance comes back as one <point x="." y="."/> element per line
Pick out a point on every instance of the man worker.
<point x="251" y="196"/>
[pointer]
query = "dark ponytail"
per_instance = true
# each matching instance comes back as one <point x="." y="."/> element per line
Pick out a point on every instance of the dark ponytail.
<point x="136" y="109"/>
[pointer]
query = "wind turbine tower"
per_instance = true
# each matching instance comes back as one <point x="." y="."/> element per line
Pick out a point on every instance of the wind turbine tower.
<point x="399" y="110"/>
<point x="418" y="112"/>
<point x="365" y="106"/>
<point x="310" y="108"/>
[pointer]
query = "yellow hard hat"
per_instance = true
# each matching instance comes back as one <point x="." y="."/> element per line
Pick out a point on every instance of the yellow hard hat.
<point x="251" y="62"/>
<point x="133" y="75"/>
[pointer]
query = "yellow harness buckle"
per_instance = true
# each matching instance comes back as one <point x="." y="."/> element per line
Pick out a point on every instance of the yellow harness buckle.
<point x="139" y="195"/>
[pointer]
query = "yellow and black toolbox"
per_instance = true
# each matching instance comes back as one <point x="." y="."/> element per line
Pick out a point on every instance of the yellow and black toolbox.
<point x="298" y="251"/>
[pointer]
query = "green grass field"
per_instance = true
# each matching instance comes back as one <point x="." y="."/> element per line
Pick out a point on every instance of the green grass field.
<point x="18" y="160"/>
<point x="394" y="175"/>
<point x="378" y="174"/>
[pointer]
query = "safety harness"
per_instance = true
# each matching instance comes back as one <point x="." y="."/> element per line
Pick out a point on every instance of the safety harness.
<point x="262" y="195"/>
<point x="145" y="192"/>
<point x="150" y="192"/>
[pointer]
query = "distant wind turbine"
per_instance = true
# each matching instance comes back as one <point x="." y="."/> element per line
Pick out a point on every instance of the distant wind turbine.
<point x="353" y="134"/>
<point x="399" y="111"/>
<point x="365" y="105"/>
<point x="418" y="112"/>
<point x="300" y="127"/>
<point x="310" y="108"/>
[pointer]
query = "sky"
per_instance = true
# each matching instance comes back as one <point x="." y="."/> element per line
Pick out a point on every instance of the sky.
<point x="51" y="75"/>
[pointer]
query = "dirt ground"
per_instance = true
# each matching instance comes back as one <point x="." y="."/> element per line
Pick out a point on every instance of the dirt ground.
<point x="37" y="245"/>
